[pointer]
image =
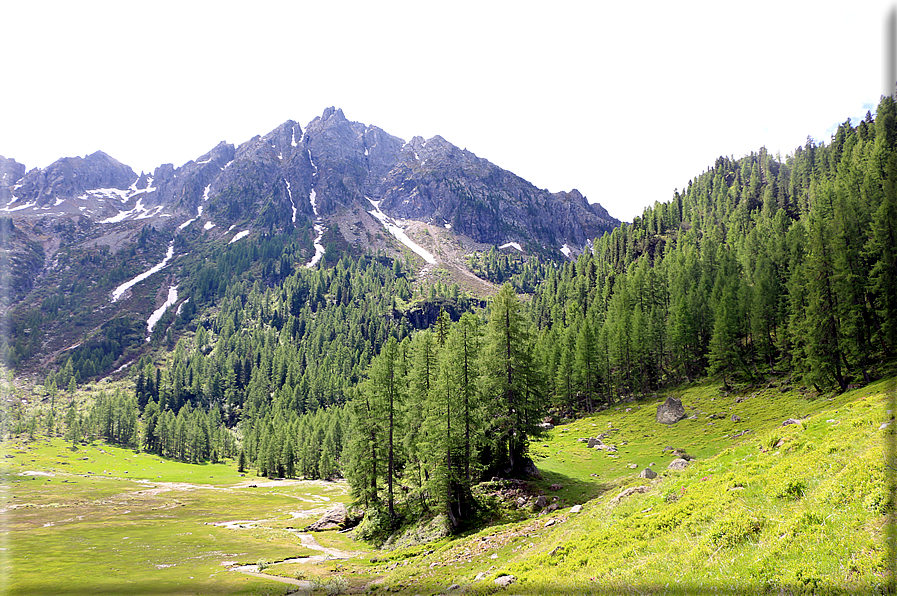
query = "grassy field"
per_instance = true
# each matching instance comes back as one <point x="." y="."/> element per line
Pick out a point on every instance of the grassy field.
<point x="762" y="508"/>
<point x="108" y="520"/>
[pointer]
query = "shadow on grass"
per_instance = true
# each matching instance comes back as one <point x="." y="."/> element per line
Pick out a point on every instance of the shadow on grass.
<point x="573" y="490"/>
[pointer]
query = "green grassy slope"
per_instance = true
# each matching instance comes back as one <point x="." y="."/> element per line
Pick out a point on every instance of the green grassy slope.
<point x="781" y="510"/>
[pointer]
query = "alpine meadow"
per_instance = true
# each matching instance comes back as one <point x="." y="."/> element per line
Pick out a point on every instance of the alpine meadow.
<point x="328" y="360"/>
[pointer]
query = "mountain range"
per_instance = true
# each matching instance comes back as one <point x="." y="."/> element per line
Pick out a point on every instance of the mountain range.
<point x="92" y="222"/>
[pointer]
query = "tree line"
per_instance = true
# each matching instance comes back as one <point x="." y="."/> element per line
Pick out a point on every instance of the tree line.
<point x="761" y="267"/>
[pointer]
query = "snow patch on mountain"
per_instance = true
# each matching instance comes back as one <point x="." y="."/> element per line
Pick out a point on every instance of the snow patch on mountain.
<point x="239" y="236"/>
<point x="290" y="193"/>
<point x="123" y="215"/>
<point x="157" y="314"/>
<point x="319" y="248"/>
<point x="20" y="207"/>
<point x="120" y="290"/>
<point x="399" y="233"/>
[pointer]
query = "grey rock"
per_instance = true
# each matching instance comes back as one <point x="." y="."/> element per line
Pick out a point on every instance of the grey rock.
<point x="530" y="469"/>
<point x="452" y="588"/>
<point x="334" y="518"/>
<point x="632" y="490"/>
<point x="576" y="509"/>
<point x="480" y="576"/>
<point x="791" y="421"/>
<point x="670" y="411"/>
<point x="678" y="464"/>
<point x="593" y="442"/>
<point x="736" y="418"/>
<point x="505" y="581"/>
<point x="648" y="473"/>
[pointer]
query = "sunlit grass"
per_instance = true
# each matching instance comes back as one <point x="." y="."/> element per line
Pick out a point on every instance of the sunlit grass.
<point x="781" y="509"/>
<point x="103" y="519"/>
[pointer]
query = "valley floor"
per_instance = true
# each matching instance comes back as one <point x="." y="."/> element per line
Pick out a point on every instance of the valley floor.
<point x="762" y="507"/>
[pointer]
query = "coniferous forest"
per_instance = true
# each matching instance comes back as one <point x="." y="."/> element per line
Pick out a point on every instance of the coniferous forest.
<point x="758" y="268"/>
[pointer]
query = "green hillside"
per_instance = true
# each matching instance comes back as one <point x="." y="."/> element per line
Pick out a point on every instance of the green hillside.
<point x="796" y="509"/>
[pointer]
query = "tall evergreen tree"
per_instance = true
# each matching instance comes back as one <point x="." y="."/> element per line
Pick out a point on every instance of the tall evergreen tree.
<point x="512" y="384"/>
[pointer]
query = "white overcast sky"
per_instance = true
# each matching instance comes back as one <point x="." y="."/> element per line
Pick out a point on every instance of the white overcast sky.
<point x="624" y="103"/>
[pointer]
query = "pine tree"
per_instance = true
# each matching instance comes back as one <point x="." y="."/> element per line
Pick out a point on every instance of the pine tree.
<point x="513" y="388"/>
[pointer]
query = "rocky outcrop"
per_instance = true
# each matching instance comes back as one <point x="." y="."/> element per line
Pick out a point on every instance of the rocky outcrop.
<point x="436" y="181"/>
<point x="671" y="411"/>
<point x="334" y="519"/>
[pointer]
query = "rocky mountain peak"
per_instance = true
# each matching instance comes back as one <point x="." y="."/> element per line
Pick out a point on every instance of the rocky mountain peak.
<point x="69" y="177"/>
<point x="336" y="113"/>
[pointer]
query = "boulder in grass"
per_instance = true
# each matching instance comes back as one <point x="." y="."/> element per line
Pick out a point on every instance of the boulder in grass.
<point x="648" y="473"/>
<point x="678" y="464"/>
<point x="671" y="411"/>
<point x="334" y="519"/>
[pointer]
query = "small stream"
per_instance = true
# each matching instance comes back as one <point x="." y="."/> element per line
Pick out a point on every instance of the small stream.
<point x="308" y="541"/>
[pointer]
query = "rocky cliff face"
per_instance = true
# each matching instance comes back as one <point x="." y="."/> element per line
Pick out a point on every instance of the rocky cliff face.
<point x="11" y="172"/>
<point x="437" y="181"/>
